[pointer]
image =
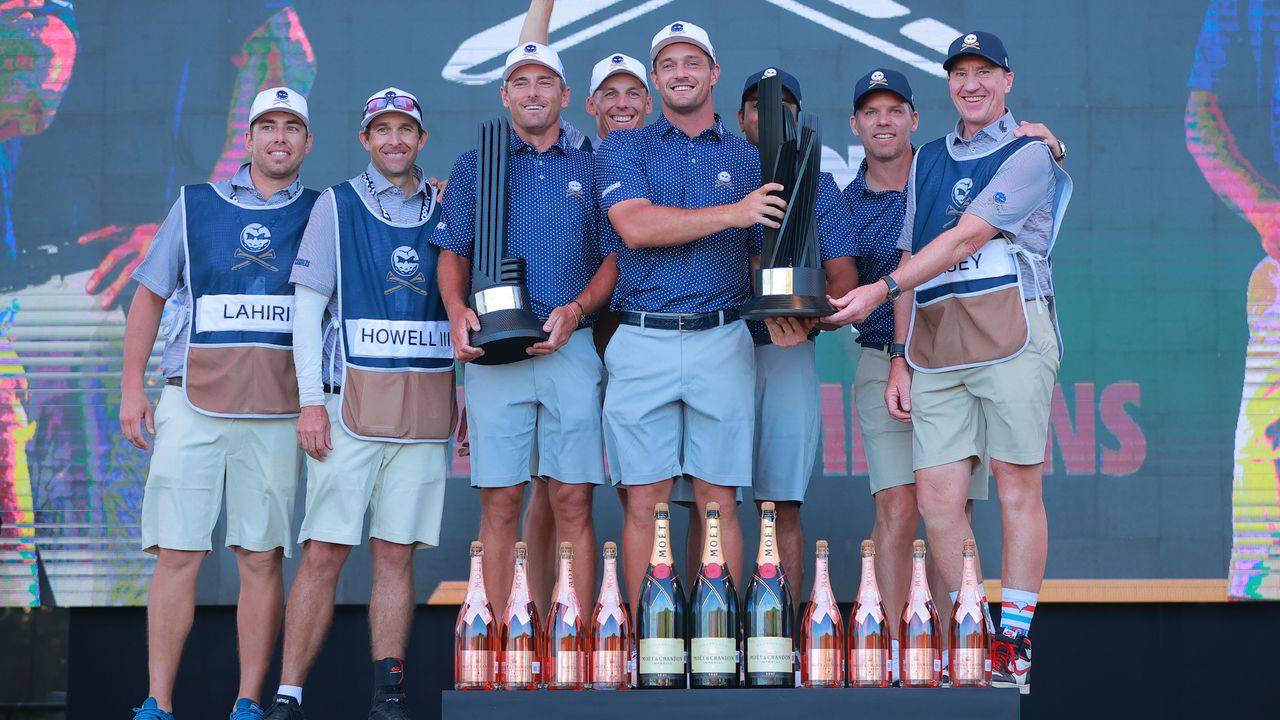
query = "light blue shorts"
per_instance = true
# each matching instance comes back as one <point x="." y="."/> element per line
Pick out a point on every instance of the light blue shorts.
<point x="681" y="403"/>
<point x="787" y="422"/>
<point x="556" y="398"/>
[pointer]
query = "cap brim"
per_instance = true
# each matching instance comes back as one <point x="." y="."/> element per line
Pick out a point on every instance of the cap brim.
<point x="656" y="49"/>
<point x="946" y="65"/>
<point x="291" y="111"/>
<point x="506" y="74"/>
<point x="619" y="71"/>
<point x="386" y="111"/>
<point x="857" y="102"/>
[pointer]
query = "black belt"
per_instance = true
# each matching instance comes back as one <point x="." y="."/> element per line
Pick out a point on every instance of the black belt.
<point x="882" y="347"/>
<point x="175" y="381"/>
<point x="332" y="389"/>
<point x="684" y="322"/>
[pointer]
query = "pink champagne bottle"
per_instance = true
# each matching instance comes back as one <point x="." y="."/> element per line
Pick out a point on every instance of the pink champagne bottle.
<point x="822" y="631"/>
<point x="610" y="630"/>
<point x="970" y="638"/>
<point x="869" y="638"/>
<point x="520" y="641"/>
<point x="475" y="634"/>
<point x="919" y="633"/>
<point x="565" y="665"/>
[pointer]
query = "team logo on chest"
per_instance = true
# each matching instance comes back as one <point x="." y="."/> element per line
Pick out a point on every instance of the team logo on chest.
<point x="573" y="189"/>
<point x="959" y="200"/>
<point x="404" y="272"/>
<point x="724" y="180"/>
<point x="255" y="240"/>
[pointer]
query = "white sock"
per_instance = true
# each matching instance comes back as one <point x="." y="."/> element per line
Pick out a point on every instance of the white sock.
<point x="293" y="691"/>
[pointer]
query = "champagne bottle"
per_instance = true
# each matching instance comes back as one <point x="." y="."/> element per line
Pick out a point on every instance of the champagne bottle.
<point x="660" y="615"/>
<point x="970" y="639"/>
<point x="713" y="610"/>
<point x="520" y="642"/>
<point x="770" y="653"/>
<point x="869" y="639"/>
<point x="565" y="666"/>
<point x="918" y="633"/>
<point x="610" y="630"/>
<point x="821" y="631"/>
<point x="474" y="635"/>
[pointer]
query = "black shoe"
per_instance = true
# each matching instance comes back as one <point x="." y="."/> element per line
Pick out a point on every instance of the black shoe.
<point x="284" y="708"/>
<point x="389" y="708"/>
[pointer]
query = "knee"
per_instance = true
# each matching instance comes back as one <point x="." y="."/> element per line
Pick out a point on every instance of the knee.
<point x="500" y="507"/>
<point x="934" y="502"/>
<point x="259" y="564"/>
<point x="180" y="561"/>
<point x="389" y="556"/>
<point x="897" y="512"/>
<point x="571" y="505"/>
<point x="641" y="500"/>
<point x="325" y="557"/>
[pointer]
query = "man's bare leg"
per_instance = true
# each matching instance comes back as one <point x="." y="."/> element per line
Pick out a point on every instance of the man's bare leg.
<point x="171" y="608"/>
<point x="539" y="532"/>
<point x="259" y="612"/>
<point x="637" y="533"/>
<point x="499" y="520"/>
<point x="310" y="610"/>
<point x="571" y="505"/>
<point x="730" y="530"/>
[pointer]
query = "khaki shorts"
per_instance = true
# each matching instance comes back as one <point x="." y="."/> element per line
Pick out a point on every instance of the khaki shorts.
<point x="887" y="441"/>
<point x="1011" y="400"/>
<point x="199" y="459"/>
<point x="401" y="484"/>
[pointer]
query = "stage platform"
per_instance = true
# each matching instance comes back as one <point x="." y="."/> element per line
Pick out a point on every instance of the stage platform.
<point x="904" y="704"/>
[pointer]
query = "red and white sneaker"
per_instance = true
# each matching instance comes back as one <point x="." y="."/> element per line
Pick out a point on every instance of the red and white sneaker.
<point x="1011" y="661"/>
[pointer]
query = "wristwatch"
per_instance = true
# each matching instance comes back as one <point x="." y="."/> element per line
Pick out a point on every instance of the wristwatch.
<point x="897" y="350"/>
<point x="894" y="290"/>
<point x="1062" y="152"/>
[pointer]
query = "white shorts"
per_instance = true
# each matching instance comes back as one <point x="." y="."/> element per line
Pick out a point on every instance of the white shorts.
<point x="198" y="460"/>
<point x="401" y="484"/>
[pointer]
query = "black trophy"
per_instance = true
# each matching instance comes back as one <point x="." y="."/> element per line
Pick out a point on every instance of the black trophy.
<point x="790" y="281"/>
<point x="499" y="294"/>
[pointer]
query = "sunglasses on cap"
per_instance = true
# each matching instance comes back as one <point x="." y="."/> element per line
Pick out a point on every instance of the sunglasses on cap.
<point x="399" y="102"/>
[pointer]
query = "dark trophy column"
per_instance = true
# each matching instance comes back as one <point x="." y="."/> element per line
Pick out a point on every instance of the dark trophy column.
<point x="499" y="294"/>
<point x="790" y="281"/>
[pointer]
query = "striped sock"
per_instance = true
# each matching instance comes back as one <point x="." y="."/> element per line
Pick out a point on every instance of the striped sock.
<point x="1016" y="610"/>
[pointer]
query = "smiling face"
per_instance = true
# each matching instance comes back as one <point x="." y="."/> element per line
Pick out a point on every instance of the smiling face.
<point x="978" y="88"/>
<point x="749" y="115"/>
<point x="535" y="94"/>
<point x="620" y="103"/>
<point x="684" y="76"/>
<point x="277" y="143"/>
<point x="393" y="140"/>
<point x="884" y="122"/>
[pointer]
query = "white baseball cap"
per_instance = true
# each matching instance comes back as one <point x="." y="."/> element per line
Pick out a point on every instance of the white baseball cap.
<point x="681" y="32"/>
<point x="279" y="98"/>
<point x="389" y="100"/>
<point x="532" y="54"/>
<point x="613" y="65"/>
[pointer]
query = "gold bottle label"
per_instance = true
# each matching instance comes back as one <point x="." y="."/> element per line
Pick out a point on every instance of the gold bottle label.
<point x="918" y="665"/>
<point x="713" y="655"/>
<point x="868" y="665"/>
<point x="568" y="666"/>
<point x="475" y="666"/>
<point x="609" y="666"/>
<point x="769" y="655"/>
<point x="969" y="665"/>
<point x="823" y="665"/>
<point x="661" y="656"/>
<point x="518" y="667"/>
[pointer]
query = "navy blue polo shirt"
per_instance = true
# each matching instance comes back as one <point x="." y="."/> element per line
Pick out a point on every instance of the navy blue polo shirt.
<point x="877" y="223"/>
<point x="552" y="216"/>
<point x="661" y="163"/>
<point x="835" y="236"/>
